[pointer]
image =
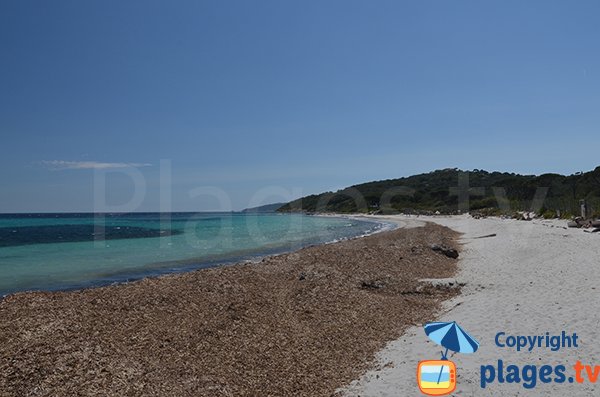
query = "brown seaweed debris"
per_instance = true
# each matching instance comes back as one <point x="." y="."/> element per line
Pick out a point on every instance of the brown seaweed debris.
<point x="298" y="324"/>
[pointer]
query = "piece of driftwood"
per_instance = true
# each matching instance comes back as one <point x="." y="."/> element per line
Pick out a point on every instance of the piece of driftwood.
<point x="486" y="236"/>
<point x="580" y="222"/>
<point x="596" y="230"/>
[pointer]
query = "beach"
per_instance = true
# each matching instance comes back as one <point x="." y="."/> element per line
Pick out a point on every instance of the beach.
<point x="529" y="279"/>
<point x="304" y="323"/>
<point x="299" y="199"/>
<point x="344" y="318"/>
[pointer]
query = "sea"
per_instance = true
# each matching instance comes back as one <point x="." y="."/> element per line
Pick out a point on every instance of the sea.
<point x="72" y="251"/>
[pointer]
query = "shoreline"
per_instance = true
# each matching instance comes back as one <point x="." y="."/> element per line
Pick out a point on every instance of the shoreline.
<point x="301" y="323"/>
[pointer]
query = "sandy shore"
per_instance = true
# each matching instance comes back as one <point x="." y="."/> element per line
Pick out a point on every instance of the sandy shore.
<point x="299" y="324"/>
<point x="532" y="278"/>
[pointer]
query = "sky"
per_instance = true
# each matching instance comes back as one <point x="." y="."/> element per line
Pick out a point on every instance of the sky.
<point x="218" y="105"/>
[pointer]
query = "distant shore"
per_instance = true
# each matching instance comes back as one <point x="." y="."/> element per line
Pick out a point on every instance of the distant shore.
<point x="303" y="323"/>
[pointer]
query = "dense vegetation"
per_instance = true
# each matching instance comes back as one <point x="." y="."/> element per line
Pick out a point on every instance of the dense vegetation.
<point x="264" y="208"/>
<point x="490" y="192"/>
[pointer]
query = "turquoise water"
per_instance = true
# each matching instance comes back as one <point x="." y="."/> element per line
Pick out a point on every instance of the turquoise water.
<point x="65" y="251"/>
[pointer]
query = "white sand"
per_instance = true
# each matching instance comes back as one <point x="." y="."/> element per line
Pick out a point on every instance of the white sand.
<point x="532" y="278"/>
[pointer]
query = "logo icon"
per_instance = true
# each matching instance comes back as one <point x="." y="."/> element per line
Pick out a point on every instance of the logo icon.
<point x="438" y="377"/>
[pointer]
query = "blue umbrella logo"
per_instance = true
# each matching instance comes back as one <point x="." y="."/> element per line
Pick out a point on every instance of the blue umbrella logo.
<point x="452" y="337"/>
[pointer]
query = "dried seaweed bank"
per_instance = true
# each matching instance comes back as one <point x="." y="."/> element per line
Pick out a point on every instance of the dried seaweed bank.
<point x="298" y="324"/>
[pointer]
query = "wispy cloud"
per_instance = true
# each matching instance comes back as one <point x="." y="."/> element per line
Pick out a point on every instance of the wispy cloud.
<point x="87" y="165"/>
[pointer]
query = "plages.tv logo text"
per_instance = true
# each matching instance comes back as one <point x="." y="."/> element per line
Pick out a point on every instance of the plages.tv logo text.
<point x="530" y="375"/>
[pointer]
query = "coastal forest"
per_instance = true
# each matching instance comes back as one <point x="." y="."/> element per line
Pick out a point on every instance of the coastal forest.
<point x="451" y="191"/>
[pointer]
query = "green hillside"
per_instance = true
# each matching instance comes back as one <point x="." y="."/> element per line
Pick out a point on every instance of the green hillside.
<point x="491" y="192"/>
<point x="263" y="208"/>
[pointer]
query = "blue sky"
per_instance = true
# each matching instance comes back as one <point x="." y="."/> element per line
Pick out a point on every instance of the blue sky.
<point x="255" y="98"/>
